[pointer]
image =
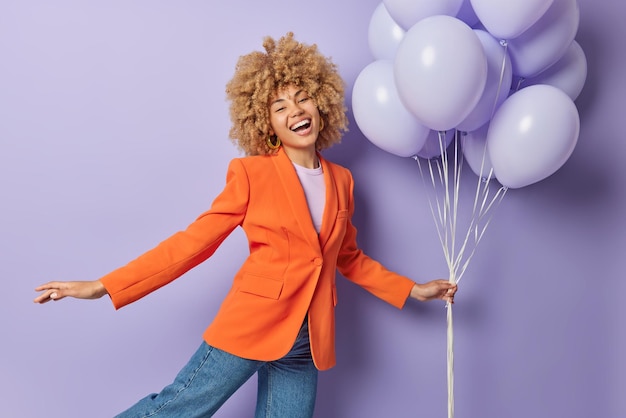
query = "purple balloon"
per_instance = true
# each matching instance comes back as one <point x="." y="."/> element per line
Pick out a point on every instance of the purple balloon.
<point x="384" y="34"/>
<point x="499" y="76"/>
<point x="568" y="74"/>
<point x="440" y="71"/>
<point x="546" y="41"/>
<point x="532" y="135"/>
<point x="409" y="12"/>
<point x="474" y="146"/>
<point x="507" y="19"/>
<point x="380" y="114"/>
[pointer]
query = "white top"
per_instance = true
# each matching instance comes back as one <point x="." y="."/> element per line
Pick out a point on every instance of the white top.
<point x="312" y="180"/>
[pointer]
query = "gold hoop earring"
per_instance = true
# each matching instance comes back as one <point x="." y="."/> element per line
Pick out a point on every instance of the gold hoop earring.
<point x="271" y="144"/>
<point x="321" y="124"/>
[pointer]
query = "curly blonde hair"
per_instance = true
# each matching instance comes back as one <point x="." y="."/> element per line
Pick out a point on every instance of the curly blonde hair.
<point x="258" y="76"/>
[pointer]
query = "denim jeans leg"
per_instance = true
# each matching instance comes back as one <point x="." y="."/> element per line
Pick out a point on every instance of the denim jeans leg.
<point x="287" y="387"/>
<point x="210" y="377"/>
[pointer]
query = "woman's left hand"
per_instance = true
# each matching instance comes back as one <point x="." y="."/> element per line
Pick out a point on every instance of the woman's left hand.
<point x="435" y="289"/>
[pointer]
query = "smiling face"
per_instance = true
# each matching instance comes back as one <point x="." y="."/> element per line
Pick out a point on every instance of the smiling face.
<point x="295" y="120"/>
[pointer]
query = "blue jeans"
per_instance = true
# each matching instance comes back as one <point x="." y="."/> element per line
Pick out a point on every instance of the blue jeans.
<point x="286" y="387"/>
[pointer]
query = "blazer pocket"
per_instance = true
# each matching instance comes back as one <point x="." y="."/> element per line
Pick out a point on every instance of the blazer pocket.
<point x="261" y="286"/>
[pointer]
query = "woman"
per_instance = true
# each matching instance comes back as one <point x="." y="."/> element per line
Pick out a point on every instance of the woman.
<point x="287" y="104"/>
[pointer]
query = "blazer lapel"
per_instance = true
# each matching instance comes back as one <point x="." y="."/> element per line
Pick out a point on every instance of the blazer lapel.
<point x="331" y="205"/>
<point x="295" y="195"/>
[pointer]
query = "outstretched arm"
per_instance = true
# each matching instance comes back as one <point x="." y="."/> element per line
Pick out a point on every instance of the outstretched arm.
<point x="435" y="289"/>
<point x="81" y="290"/>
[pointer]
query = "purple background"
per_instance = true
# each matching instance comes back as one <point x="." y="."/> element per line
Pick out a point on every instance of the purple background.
<point x="113" y="135"/>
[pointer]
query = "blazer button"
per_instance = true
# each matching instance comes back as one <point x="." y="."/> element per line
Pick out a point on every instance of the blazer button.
<point x="318" y="261"/>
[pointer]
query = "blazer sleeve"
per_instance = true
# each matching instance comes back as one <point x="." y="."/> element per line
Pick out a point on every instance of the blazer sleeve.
<point x="185" y="249"/>
<point x="368" y="273"/>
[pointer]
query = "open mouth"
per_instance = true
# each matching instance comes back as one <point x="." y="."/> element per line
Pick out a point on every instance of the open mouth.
<point x="301" y="126"/>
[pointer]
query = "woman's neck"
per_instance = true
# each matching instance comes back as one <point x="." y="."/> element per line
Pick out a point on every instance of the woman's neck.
<point x="303" y="158"/>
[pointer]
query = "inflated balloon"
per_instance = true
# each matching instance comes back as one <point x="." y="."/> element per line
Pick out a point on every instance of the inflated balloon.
<point x="435" y="142"/>
<point x="509" y="19"/>
<point x="409" y="12"/>
<point x="568" y="74"/>
<point x="474" y="146"/>
<point x="499" y="76"/>
<point x="380" y="114"/>
<point x="546" y="41"/>
<point x="532" y="135"/>
<point x="466" y="13"/>
<point x="440" y="71"/>
<point x="384" y="34"/>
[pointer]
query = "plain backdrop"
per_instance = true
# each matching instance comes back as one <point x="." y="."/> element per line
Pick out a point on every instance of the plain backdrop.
<point x="114" y="135"/>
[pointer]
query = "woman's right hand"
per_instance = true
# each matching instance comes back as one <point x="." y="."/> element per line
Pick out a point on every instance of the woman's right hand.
<point x="81" y="290"/>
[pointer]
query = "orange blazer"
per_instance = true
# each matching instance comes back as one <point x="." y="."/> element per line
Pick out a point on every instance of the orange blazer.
<point x="290" y="270"/>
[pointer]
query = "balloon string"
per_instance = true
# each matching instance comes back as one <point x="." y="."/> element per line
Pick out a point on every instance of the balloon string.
<point x="449" y="219"/>
<point x="444" y="207"/>
<point x="450" y="361"/>
<point x="438" y="206"/>
<point x="482" y="187"/>
<point x="478" y="231"/>
<point x="437" y="215"/>
<point x="505" y="46"/>
<point x="444" y="203"/>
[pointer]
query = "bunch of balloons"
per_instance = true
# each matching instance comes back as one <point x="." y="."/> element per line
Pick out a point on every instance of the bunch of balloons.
<point x="490" y="82"/>
<point x="505" y="74"/>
